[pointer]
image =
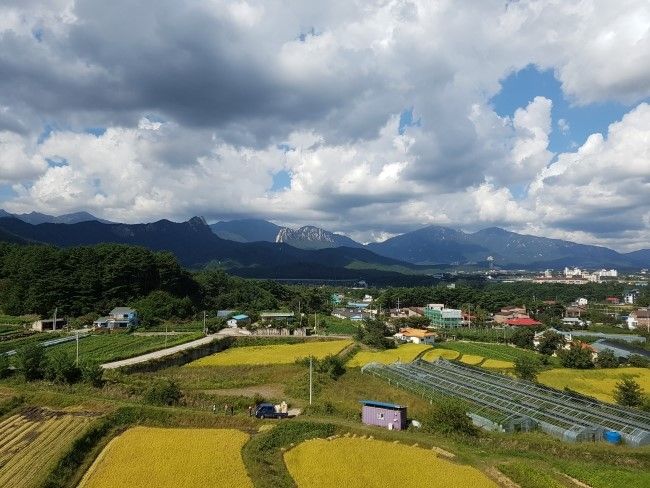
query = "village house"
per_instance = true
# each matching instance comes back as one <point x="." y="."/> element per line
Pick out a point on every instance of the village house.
<point x="118" y="318"/>
<point x="240" y="320"/>
<point x="416" y="336"/>
<point x="639" y="319"/>
<point x="509" y="313"/>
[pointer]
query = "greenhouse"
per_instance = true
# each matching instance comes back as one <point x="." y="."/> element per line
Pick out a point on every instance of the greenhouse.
<point x="507" y="404"/>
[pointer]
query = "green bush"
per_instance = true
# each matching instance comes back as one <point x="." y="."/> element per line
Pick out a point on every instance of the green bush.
<point x="449" y="416"/>
<point x="628" y="393"/>
<point x="5" y="371"/>
<point x="164" y="392"/>
<point x="526" y="368"/>
<point x="92" y="373"/>
<point x="61" y="368"/>
<point x="638" y="361"/>
<point x="523" y="338"/>
<point x="31" y="362"/>
<point x="607" y="359"/>
<point x="576" y="356"/>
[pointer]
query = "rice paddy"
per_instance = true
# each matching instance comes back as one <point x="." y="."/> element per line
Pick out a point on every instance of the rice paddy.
<point x="434" y="354"/>
<point x="33" y="441"/>
<point x="404" y="353"/>
<point x="179" y="458"/>
<point x="597" y="383"/>
<point x="272" y="354"/>
<point x="357" y="462"/>
<point x="471" y="359"/>
<point x="497" y="364"/>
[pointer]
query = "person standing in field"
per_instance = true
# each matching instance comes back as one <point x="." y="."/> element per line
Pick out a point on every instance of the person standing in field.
<point x="225" y="409"/>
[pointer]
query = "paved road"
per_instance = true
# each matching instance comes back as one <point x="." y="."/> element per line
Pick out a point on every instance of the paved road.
<point x="161" y="353"/>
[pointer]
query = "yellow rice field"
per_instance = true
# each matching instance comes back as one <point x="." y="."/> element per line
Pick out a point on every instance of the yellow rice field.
<point x="471" y="359"/>
<point x="434" y="354"/>
<point x="179" y="458"/>
<point x="497" y="364"/>
<point x="598" y="383"/>
<point x="404" y="353"/>
<point x="272" y="354"/>
<point x="364" y="463"/>
<point x="33" y="441"/>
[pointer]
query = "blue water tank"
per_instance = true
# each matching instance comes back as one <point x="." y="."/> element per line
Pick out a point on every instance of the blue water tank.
<point x="612" y="437"/>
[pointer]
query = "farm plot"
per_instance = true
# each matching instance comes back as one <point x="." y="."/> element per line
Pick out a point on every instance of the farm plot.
<point x="490" y="351"/>
<point x="497" y="364"/>
<point x="597" y="383"/>
<point x="35" y="338"/>
<point x="179" y="458"/>
<point x="438" y="353"/>
<point x="404" y="353"/>
<point x="33" y="441"/>
<point x="272" y="354"/>
<point x="120" y="345"/>
<point x="357" y="462"/>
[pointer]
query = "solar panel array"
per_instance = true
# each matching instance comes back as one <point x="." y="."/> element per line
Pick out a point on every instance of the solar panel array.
<point x="503" y="399"/>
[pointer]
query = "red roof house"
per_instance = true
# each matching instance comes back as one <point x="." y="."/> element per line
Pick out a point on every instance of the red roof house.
<point x="523" y="322"/>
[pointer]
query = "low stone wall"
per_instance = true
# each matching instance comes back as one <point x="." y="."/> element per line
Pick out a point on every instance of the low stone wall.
<point x="181" y="357"/>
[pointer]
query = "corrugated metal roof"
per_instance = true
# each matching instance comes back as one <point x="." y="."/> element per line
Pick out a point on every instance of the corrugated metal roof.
<point x="372" y="403"/>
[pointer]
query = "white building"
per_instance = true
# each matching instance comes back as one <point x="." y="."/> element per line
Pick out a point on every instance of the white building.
<point x="571" y="272"/>
<point x="582" y="302"/>
<point x="609" y="273"/>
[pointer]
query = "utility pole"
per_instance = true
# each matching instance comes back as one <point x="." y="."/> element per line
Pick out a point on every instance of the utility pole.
<point x="205" y="327"/>
<point x="54" y="322"/>
<point x="310" y="377"/>
<point x="77" y="347"/>
<point x="299" y="314"/>
<point x="165" y="333"/>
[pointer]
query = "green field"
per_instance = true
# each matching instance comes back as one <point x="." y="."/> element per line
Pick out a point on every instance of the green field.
<point x="488" y="351"/>
<point x="35" y="338"/>
<point x="598" y="383"/>
<point x="106" y="347"/>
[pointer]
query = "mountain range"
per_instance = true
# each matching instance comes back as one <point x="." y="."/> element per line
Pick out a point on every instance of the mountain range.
<point x="435" y="245"/>
<point x="258" y="248"/>
<point x="36" y="218"/>
<point x="195" y="245"/>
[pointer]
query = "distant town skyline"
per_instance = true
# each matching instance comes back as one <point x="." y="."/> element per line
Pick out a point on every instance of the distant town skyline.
<point x="367" y="118"/>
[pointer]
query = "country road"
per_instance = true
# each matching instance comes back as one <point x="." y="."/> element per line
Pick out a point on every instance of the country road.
<point x="161" y="353"/>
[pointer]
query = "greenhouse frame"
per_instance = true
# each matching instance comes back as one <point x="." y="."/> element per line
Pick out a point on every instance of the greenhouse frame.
<point x="503" y="403"/>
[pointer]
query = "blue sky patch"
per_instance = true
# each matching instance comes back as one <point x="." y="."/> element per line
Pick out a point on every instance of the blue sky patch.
<point x="281" y="180"/>
<point x="96" y="131"/>
<point x="521" y="87"/>
<point x="406" y="121"/>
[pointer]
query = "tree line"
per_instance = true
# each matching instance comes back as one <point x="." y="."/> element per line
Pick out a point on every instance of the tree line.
<point x="88" y="281"/>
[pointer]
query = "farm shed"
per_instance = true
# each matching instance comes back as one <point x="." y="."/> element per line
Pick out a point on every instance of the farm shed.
<point x="388" y="415"/>
<point x="48" y="325"/>
<point x="501" y="399"/>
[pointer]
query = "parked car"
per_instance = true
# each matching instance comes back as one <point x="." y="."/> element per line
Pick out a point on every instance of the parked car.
<point x="268" y="411"/>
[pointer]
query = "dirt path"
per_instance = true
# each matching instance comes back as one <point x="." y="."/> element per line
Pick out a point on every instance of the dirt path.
<point x="160" y="353"/>
<point x="271" y="390"/>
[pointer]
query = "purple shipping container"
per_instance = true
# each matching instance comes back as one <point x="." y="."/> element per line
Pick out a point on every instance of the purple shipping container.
<point x="386" y="415"/>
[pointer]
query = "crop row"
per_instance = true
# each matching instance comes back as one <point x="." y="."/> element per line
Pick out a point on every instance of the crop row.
<point x="113" y="347"/>
<point x="28" y="447"/>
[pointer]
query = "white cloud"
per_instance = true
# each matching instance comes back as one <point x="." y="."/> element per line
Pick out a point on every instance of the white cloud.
<point x="197" y="98"/>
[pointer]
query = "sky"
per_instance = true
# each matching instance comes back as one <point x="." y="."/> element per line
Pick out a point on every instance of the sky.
<point x="369" y="118"/>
